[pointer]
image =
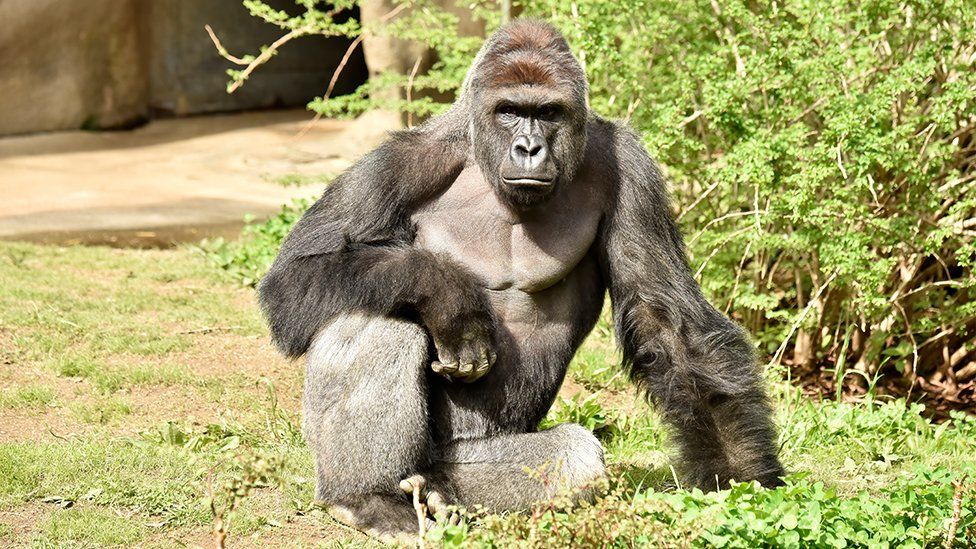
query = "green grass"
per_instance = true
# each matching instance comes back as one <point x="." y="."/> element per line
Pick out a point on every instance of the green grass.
<point x="29" y="396"/>
<point x="113" y="378"/>
<point x="102" y="411"/>
<point x="87" y="303"/>
<point x="117" y="326"/>
<point x="89" y="527"/>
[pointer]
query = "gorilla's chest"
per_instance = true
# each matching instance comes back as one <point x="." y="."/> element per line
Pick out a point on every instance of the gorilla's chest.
<point x="528" y="252"/>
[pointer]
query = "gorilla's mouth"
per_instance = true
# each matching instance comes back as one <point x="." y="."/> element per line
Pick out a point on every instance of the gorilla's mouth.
<point x="528" y="182"/>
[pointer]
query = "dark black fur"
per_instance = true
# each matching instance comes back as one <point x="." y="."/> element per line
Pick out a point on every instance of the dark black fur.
<point x="351" y="251"/>
<point x="354" y="252"/>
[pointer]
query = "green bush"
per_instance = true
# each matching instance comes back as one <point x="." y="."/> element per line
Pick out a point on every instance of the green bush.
<point x="248" y="258"/>
<point x="911" y="513"/>
<point x="821" y="154"/>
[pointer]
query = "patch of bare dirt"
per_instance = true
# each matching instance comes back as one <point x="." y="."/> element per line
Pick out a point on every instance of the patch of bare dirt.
<point x="296" y="531"/>
<point x="627" y="401"/>
<point x="25" y="523"/>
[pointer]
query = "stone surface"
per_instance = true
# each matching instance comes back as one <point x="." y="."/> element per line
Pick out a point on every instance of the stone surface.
<point x="68" y="64"/>
<point x="187" y="76"/>
<point x="170" y="181"/>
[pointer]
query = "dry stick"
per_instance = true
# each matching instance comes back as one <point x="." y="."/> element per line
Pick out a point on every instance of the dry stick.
<point x="221" y="49"/>
<point x="421" y="515"/>
<point x="342" y="65"/>
<point x="782" y="348"/>
<point x="740" y="65"/>
<point x="717" y="248"/>
<point x="738" y="277"/>
<point x="718" y="219"/>
<point x="698" y="200"/>
<point x="219" y="530"/>
<point x="911" y="336"/>
<point x="506" y="9"/>
<point x="690" y="118"/>
<point x="260" y="59"/>
<point x="956" y="511"/>
<point x="413" y="74"/>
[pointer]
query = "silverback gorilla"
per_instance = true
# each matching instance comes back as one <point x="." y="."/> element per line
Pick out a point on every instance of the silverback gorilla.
<point x="441" y="285"/>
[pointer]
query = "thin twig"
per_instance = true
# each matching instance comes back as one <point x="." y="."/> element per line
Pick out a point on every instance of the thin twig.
<point x="342" y="65"/>
<point x="690" y="118"/>
<point x="413" y="74"/>
<point x="263" y="57"/>
<point x="222" y="50"/>
<point x="911" y="336"/>
<point x="738" y="277"/>
<point x="698" y="200"/>
<point x="956" y="511"/>
<point x="718" y="219"/>
<point x="716" y="249"/>
<point x="840" y="161"/>
<point x="208" y="330"/>
<point x="796" y="324"/>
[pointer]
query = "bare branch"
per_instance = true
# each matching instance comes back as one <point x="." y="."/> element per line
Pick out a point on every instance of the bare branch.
<point x="221" y="49"/>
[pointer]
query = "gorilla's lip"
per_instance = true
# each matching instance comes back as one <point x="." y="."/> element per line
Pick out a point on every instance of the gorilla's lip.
<point x="527" y="181"/>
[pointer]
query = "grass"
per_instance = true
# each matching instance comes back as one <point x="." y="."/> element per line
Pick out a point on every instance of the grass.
<point x="29" y="396"/>
<point x="87" y="527"/>
<point x="138" y="388"/>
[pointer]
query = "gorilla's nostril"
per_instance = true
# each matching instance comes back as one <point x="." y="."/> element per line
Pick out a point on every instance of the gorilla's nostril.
<point x="521" y="147"/>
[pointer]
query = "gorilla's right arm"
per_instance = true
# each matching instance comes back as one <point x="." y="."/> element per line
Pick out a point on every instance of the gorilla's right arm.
<point x="352" y="252"/>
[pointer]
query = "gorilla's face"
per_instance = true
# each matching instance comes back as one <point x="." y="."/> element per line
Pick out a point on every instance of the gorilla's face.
<point x="529" y="140"/>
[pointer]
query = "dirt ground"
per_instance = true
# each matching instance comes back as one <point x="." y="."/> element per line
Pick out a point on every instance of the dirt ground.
<point x="171" y="180"/>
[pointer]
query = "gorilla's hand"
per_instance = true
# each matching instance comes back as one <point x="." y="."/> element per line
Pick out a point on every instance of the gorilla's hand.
<point x="455" y="309"/>
<point x="465" y="346"/>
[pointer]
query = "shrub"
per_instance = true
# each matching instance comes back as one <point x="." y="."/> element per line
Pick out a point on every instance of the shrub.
<point x="821" y="154"/>
<point x="247" y="259"/>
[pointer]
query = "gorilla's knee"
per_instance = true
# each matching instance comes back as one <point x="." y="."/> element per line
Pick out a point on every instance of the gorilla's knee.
<point x="579" y="456"/>
<point x="365" y="404"/>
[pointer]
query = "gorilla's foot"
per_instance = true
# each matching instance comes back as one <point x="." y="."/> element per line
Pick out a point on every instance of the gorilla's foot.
<point x="389" y="519"/>
<point x="438" y="505"/>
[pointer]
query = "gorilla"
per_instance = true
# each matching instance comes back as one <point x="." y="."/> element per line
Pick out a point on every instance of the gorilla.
<point x="440" y="286"/>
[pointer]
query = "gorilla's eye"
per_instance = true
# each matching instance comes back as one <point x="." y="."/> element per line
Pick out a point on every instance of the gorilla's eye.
<point x="549" y="112"/>
<point x="507" y="110"/>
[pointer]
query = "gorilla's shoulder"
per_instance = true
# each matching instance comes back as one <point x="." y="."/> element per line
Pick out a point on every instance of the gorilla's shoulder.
<point x="606" y="135"/>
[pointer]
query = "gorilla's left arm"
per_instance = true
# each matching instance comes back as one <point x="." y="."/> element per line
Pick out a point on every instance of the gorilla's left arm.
<point x="696" y="365"/>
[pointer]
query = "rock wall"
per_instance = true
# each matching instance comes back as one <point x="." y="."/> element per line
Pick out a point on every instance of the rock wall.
<point x="69" y="64"/>
<point x="187" y="76"/>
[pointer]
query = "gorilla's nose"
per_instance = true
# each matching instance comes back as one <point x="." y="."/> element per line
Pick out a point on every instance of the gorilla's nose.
<point x="529" y="151"/>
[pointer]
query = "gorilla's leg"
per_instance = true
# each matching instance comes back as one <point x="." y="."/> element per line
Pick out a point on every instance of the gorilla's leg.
<point x="511" y="472"/>
<point x="365" y="418"/>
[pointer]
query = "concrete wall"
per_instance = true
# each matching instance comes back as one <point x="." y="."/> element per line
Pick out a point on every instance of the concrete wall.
<point x="187" y="76"/>
<point x="68" y="64"/>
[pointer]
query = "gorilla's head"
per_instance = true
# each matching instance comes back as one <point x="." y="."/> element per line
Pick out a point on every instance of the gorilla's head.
<point x="528" y="118"/>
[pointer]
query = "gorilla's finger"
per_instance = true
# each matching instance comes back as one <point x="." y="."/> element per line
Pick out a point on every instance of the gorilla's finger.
<point x="443" y="368"/>
<point x="455" y="519"/>
<point x="410" y="483"/>
<point x="480" y="369"/>
<point x="492" y="355"/>
<point x="465" y="369"/>
<point x="436" y="503"/>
